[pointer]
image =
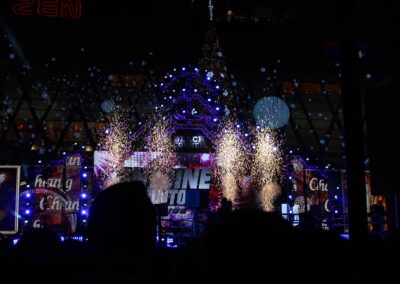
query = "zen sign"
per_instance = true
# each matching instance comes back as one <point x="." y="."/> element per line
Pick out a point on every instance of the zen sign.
<point x="71" y="9"/>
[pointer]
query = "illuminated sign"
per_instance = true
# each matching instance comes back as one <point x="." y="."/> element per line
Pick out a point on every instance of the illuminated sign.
<point x="185" y="179"/>
<point x="196" y="141"/>
<point x="71" y="9"/>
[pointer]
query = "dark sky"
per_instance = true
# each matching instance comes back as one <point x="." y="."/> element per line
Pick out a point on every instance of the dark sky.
<point x="114" y="32"/>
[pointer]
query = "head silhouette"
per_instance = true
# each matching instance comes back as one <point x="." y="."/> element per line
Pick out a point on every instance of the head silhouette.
<point x="122" y="223"/>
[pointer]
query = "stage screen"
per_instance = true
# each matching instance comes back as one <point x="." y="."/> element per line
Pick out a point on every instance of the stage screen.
<point x="9" y="199"/>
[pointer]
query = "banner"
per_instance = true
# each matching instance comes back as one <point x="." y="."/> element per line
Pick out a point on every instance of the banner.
<point x="56" y="192"/>
<point x="9" y="199"/>
<point x="316" y="191"/>
<point x="183" y="196"/>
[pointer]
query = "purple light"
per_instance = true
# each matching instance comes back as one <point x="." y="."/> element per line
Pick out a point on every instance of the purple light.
<point x="237" y="126"/>
<point x="107" y="131"/>
<point x="205" y="157"/>
<point x="215" y="119"/>
<point x="28" y="195"/>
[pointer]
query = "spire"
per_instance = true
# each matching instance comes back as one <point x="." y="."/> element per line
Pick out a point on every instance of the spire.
<point x="211" y="10"/>
<point x="213" y="59"/>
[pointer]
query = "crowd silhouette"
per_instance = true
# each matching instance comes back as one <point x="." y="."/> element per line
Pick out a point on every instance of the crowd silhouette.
<point x="238" y="246"/>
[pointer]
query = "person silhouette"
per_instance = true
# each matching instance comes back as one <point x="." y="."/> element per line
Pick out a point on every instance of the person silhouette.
<point x="122" y="232"/>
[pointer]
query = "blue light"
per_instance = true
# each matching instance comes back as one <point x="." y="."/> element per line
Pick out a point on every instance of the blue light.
<point x="64" y="153"/>
<point x="26" y="222"/>
<point x="208" y="78"/>
<point x="336" y="197"/>
<point x="209" y="100"/>
<point x="15" y="241"/>
<point x="183" y="68"/>
<point x="336" y="212"/>
<point x="290" y="197"/>
<point x="27" y="212"/>
<point x="307" y="159"/>
<point x="84" y="175"/>
<point x="85" y="167"/>
<point x="40" y="161"/>
<point x="183" y="90"/>
<point x="83" y="212"/>
<point x="217" y="108"/>
<point x="183" y="111"/>
<point x="237" y="125"/>
<point x="107" y="131"/>
<point x="246" y="134"/>
<point x="271" y="112"/>
<point x="83" y="195"/>
<point x="28" y="195"/>
<point x="195" y="90"/>
<point x="290" y="178"/>
<point x="217" y="87"/>
<point x="291" y="152"/>
<point x="215" y="119"/>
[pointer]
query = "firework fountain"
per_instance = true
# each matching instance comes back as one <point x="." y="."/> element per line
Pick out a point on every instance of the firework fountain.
<point x="115" y="139"/>
<point x="162" y="161"/>
<point x="231" y="160"/>
<point x="267" y="167"/>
